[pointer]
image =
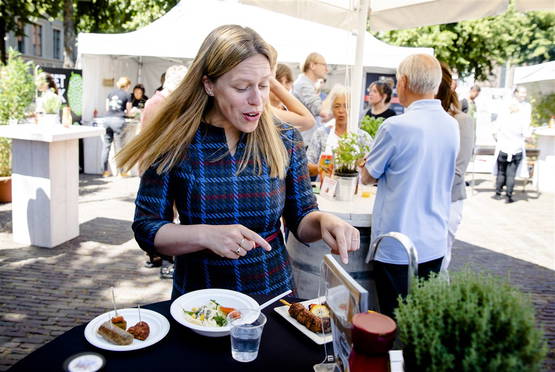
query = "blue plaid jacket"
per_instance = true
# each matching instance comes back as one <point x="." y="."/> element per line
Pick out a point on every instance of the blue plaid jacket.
<point x="207" y="190"/>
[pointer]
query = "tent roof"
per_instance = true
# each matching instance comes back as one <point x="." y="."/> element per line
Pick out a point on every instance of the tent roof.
<point x="388" y="15"/>
<point x="530" y="74"/>
<point x="180" y="32"/>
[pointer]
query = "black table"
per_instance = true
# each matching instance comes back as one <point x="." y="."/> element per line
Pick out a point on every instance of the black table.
<point x="282" y="348"/>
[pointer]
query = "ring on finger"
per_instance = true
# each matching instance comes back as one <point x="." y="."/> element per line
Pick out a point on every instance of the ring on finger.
<point x="238" y="250"/>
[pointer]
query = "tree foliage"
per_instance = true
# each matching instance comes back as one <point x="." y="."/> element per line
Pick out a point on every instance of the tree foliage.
<point x="475" y="47"/>
<point x="17" y="90"/>
<point x="110" y="16"/>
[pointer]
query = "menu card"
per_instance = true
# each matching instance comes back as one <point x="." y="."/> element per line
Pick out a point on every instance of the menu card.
<point x="345" y="297"/>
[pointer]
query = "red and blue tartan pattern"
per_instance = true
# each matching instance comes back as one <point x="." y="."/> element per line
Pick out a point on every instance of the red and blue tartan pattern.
<point x="206" y="189"/>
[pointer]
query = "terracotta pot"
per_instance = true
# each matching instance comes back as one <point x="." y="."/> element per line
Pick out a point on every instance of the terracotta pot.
<point x="5" y="189"/>
<point x="373" y="333"/>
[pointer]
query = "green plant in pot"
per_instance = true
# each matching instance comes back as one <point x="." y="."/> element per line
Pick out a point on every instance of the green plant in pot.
<point x="49" y="103"/>
<point x="474" y="323"/>
<point x="347" y="154"/>
<point x="17" y="90"/>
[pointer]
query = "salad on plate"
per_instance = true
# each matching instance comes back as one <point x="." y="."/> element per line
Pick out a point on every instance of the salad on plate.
<point x="211" y="314"/>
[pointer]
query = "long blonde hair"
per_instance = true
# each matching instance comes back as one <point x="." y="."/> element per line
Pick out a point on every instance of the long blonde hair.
<point x="166" y="140"/>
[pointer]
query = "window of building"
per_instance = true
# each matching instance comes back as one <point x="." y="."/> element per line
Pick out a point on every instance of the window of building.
<point x="21" y="39"/>
<point x="37" y="40"/>
<point x="21" y="44"/>
<point x="57" y="44"/>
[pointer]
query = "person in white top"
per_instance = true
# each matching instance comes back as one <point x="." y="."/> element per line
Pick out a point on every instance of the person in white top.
<point x="513" y="126"/>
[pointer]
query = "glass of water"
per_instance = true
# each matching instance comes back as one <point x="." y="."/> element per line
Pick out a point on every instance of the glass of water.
<point x="246" y="331"/>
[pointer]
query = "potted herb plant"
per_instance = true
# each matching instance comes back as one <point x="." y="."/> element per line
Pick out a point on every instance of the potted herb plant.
<point x="474" y="323"/>
<point x="346" y="157"/>
<point x="16" y="94"/>
<point x="48" y="104"/>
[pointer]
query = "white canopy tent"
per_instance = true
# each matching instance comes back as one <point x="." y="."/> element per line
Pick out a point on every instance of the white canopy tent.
<point x="384" y="15"/>
<point x="144" y="54"/>
<point x="539" y="79"/>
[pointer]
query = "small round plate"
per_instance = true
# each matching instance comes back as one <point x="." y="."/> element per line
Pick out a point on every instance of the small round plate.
<point x="159" y="328"/>
<point x="224" y="297"/>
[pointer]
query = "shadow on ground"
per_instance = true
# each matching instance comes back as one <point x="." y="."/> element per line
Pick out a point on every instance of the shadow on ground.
<point x="519" y="192"/>
<point x="91" y="183"/>
<point x="6" y="221"/>
<point x="106" y="231"/>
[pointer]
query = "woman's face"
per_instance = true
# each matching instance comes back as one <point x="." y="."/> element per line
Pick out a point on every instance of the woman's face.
<point x="374" y="96"/>
<point x="339" y="110"/>
<point x="138" y="93"/>
<point x="241" y="94"/>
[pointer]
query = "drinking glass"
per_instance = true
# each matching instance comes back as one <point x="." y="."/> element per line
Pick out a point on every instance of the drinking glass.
<point x="246" y="331"/>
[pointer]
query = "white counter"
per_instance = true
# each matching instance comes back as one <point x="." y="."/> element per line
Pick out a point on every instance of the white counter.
<point x="45" y="182"/>
<point x="357" y="212"/>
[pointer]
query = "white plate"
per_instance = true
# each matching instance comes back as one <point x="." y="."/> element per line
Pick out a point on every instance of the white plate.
<point x="159" y="328"/>
<point x="224" y="297"/>
<point x="316" y="337"/>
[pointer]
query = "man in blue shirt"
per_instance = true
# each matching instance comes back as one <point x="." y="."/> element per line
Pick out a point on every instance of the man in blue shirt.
<point x="413" y="162"/>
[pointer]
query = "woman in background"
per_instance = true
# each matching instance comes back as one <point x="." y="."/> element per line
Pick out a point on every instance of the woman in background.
<point x="326" y="138"/>
<point x="285" y="106"/>
<point x="379" y="97"/>
<point x="138" y="97"/>
<point x="467" y="126"/>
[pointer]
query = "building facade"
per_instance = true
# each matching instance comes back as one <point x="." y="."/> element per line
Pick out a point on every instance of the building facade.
<point x="43" y="42"/>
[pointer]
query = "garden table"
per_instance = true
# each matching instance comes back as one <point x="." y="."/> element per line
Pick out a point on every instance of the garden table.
<point x="282" y="348"/>
<point x="45" y="181"/>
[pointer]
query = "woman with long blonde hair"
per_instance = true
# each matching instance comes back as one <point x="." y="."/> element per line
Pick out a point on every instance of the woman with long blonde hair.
<point x="215" y="152"/>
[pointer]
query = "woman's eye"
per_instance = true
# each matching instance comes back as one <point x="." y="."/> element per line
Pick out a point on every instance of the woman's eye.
<point x="240" y="89"/>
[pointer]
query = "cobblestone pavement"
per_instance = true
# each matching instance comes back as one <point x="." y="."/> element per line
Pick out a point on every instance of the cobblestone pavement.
<point x="45" y="292"/>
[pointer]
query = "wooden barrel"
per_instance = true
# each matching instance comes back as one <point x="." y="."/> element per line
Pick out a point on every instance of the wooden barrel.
<point x="306" y="262"/>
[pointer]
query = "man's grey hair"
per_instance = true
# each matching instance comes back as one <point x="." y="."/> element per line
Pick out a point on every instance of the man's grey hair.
<point x="423" y="73"/>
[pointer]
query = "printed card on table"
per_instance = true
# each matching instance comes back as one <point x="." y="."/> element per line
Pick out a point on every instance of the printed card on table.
<point x="328" y="187"/>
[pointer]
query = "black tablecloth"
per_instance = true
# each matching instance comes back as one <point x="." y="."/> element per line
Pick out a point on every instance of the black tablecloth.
<point x="283" y="348"/>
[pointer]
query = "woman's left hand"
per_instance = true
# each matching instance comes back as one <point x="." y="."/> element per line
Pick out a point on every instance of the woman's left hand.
<point x="339" y="235"/>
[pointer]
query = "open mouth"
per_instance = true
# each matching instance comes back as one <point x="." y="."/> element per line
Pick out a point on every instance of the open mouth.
<point x="251" y="116"/>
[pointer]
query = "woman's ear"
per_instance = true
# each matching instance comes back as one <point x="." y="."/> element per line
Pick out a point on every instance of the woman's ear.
<point x="208" y="86"/>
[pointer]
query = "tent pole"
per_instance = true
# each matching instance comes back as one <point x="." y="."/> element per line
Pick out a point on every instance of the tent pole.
<point x="140" y="70"/>
<point x="356" y="76"/>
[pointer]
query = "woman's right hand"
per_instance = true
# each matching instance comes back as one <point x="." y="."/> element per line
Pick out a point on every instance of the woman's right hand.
<point x="232" y="241"/>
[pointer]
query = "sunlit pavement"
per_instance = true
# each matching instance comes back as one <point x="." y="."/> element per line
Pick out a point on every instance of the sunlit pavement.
<point x="45" y="292"/>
